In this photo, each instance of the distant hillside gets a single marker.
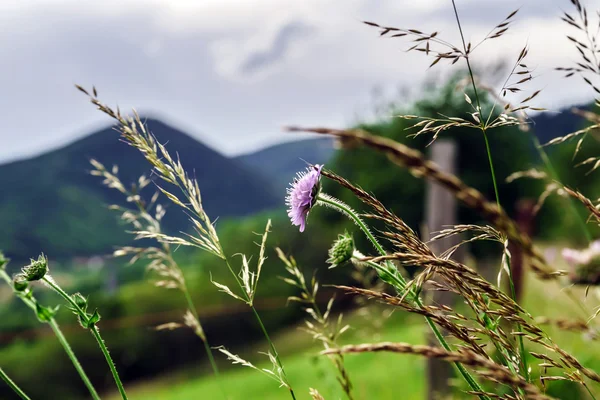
(50, 203)
(548, 125)
(281, 162)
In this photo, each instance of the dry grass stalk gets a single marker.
(489, 369)
(479, 295)
(320, 325)
(486, 301)
(520, 74)
(315, 395)
(448, 319)
(587, 44)
(416, 162)
(134, 132)
(146, 218)
(593, 209)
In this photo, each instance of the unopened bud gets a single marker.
(341, 250)
(36, 270)
(80, 301)
(20, 283)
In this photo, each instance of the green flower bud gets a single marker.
(341, 250)
(20, 283)
(3, 261)
(37, 269)
(80, 301)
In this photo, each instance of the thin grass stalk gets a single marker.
(61, 339)
(202, 336)
(262, 326)
(436, 332)
(340, 207)
(519, 328)
(489, 155)
(95, 333)
(112, 181)
(554, 175)
(13, 385)
(339, 363)
(172, 172)
(318, 327)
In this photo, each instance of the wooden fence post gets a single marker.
(441, 211)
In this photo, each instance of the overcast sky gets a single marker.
(232, 72)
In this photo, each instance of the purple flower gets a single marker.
(302, 196)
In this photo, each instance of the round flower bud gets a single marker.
(80, 301)
(20, 283)
(37, 269)
(341, 250)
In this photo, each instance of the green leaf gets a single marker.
(45, 314)
(93, 320)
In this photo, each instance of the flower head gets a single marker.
(36, 270)
(585, 264)
(341, 251)
(302, 195)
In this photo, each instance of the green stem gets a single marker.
(493, 173)
(202, 336)
(63, 341)
(554, 175)
(519, 329)
(95, 332)
(109, 360)
(13, 385)
(436, 332)
(344, 209)
(64, 295)
(166, 248)
(272, 346)
(248, 301)
(30, 302)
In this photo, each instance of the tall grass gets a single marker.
(498, 347)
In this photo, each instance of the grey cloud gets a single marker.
(46, 50)
(284, 38)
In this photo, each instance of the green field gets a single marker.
(374, 376)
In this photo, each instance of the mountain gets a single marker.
(50, 203)
(548, 125)
(281, 162)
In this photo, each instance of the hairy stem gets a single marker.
(111, 364)
(65, 344)
(13, 385)
(349, 212)
(95, 332)
(31, 303)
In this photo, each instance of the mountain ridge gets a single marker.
(52, 204)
